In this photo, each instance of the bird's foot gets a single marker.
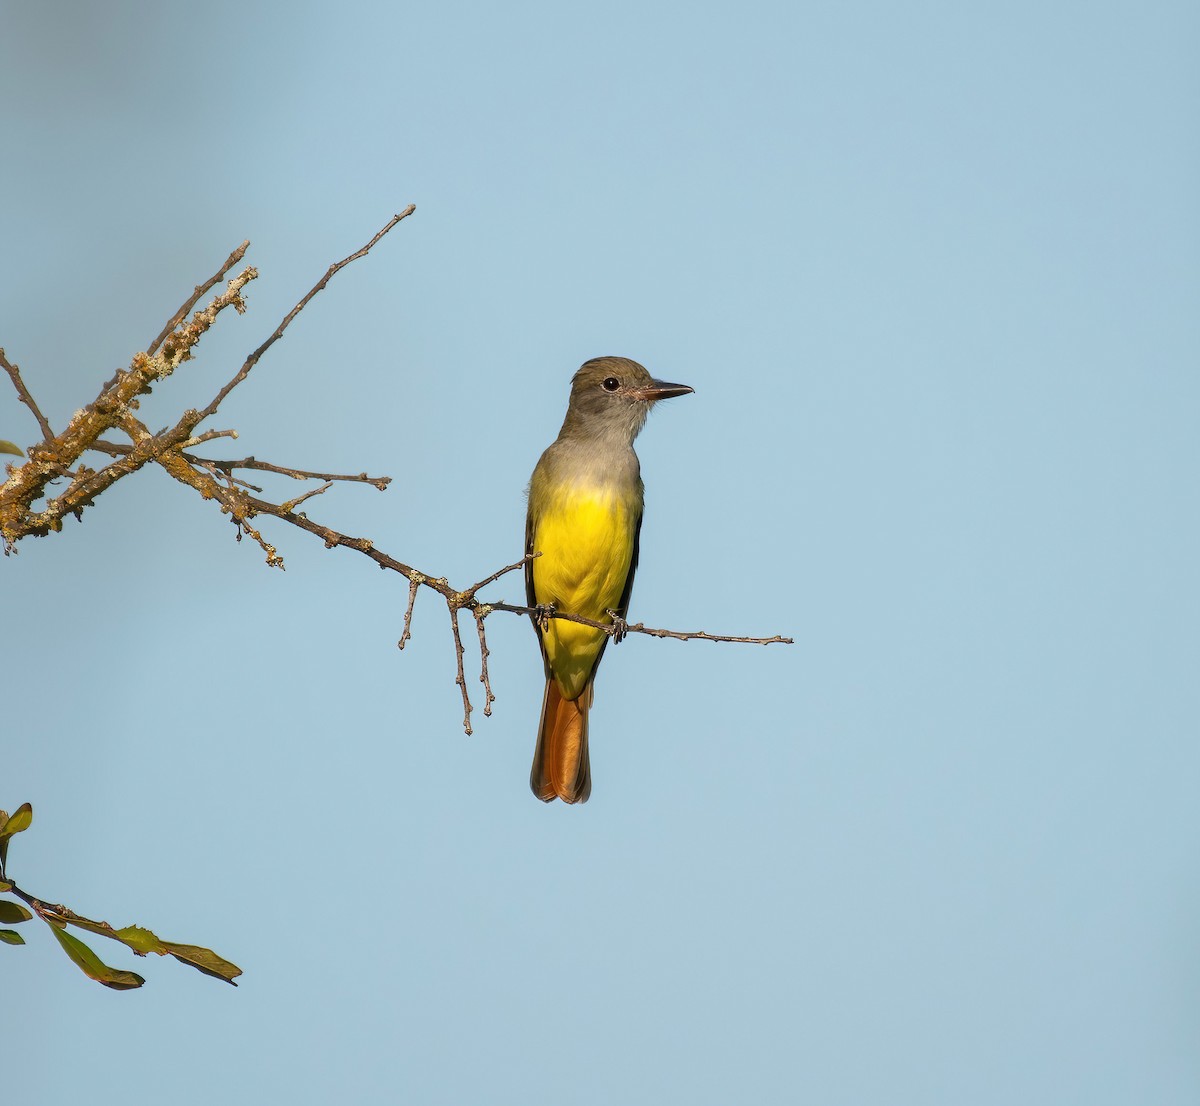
(620, 627)
(542, 614)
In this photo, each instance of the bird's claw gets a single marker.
(542, 614)
(619, 625)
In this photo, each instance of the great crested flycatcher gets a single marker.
(585, 516)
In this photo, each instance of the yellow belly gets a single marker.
(586, 542)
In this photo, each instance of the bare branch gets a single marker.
(253, 506)
(700, 635)
(207, 436)
(216, 480)
(461, 678)
(378, 482)
(253, 359)
(480, 613)
(197, 294)
(243, 506)
(14, 374)
(116, 449)
(292, 504)
(414, 582)
(640, 628)
(274, 560)
(470, 592)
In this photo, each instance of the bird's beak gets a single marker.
(660, 389)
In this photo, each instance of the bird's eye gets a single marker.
(611, 384)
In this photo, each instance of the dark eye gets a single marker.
(611, 384)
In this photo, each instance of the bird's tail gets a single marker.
(560, 762)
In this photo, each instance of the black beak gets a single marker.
(660, 389)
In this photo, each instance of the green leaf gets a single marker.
(142, 941)
(20, 819)
(11, 937)
(204, 960)
(13, 912)
(92, 966)
(8, 447)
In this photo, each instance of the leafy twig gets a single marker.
(58, 917)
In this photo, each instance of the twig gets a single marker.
(700, 635)
(253, 359)
(207, 436)
(116, 449)
(470, 592)
(292, 504)
(274, 560)
(640, 628)
(230, 480)
(461, 678)
(481, 612)
(378, 482)
(138, 939)
(14, 374)
(197, 293)
(459, 600)
(414, 582)
(251, 506)
(214, 479)
(111, 408)
(49, 911)
(113, 449)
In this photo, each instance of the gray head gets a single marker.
(611, 397)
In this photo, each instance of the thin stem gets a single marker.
(253, 359)
(117, 449)
(14, 374)
(292, 504)
(461, 678)
(480, 614)
(470, 592)
(197, 294)
(414, 582)
(640, 628)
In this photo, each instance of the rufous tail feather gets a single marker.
(560, 761)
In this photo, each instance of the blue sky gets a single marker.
(932, 272)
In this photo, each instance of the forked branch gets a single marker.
(27, 510)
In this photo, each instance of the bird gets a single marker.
(582, 530)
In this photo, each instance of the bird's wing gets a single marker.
(623, 606)
(530, 597)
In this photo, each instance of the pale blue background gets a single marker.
(932, 270)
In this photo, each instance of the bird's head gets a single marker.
(613, 396)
